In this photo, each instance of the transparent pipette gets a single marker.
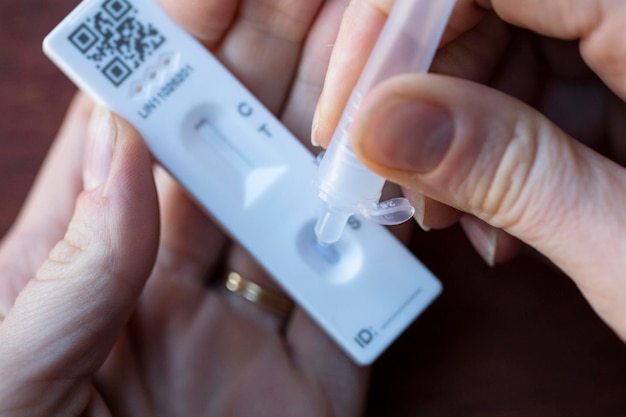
(407, 43)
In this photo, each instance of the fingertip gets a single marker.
(314, 127)
(483, 237)
(118, 174)
(101, 133)
(431, 214)
(401, 131)
(325, 119)
(131, 181)
(492, 244)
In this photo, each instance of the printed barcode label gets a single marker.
(116, 41)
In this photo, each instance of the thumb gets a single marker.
(67, 318)
(490, 155)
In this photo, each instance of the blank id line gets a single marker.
(402, 307)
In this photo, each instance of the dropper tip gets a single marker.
(330, 226)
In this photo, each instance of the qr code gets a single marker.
(115, 40)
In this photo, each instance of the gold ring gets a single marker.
(254, 293)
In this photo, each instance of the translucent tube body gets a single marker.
(407, 43)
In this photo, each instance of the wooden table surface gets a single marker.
(515, 340)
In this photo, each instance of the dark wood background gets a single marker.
(515, 340)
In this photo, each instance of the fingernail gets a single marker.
(488, 251)
(419, 203)
(316, 119)
(484, 238)
(99, 148)
(408, 135)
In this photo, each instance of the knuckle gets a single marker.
(502, 196)
(604, 54)
(77, 242)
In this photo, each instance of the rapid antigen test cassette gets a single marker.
(244, 167)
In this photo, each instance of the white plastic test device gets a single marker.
(238, 161)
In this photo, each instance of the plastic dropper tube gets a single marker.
(407, 43)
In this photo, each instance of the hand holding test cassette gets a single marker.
(237, 160)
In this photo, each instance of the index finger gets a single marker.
(362, 22)
(598, 24)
